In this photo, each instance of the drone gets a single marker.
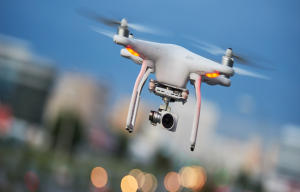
(174, 66)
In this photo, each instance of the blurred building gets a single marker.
(286, 175)
(77, 108)
(212, 149)
(119, 113)
(25, 84)
(289, 156)
(25, 80)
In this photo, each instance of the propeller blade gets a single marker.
(106, 21)
(210, 48)
(103, 32)
(114, 23)
(143, 28)
(249, 73)
(241, 59)
(216, 50)
(99, 18)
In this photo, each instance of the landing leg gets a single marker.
(197, 84)
(139, 90)
(135, 98)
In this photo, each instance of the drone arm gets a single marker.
(196, 80)
(125, 53)
(220, 80)
(204, 65)
(145, 49)
(135, 98)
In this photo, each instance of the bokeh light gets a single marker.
(99, 177)
(150, 183)
(192, 177)
(201, 177)
(129, 184)
(31, 181)
(139, 176)
(172, 181)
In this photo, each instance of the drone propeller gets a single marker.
(103, 32)
(249, 73)
(216, 50)
(114, 23)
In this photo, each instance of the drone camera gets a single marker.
(166, 119)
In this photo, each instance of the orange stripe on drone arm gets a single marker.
(133, 52)
(212, 75)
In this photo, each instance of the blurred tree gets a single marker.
(221, 177)
(66, 132)
(245, 182)
(210, 185)
(162, 162)
(122, 146)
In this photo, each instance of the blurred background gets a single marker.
(65, 90)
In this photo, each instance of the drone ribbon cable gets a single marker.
(197, 84)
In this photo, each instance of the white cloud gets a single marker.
(246, 104)
(19, 49)
(177, 144)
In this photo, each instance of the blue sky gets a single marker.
(269, 29)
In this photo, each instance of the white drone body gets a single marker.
(171, 63)
(173, 66)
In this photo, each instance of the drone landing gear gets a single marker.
(135, 98)
(172, 94)
(196, 80)
(169, 94)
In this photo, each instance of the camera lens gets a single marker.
(154, 117)
(151, 114)
(167, 121)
